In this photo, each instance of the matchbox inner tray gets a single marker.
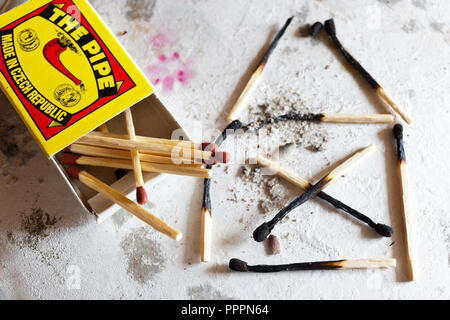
(66, 74)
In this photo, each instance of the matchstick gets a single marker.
(141, 193)
(331, 31)
(92, 182)
(407, 210)
(251, 85)
(264, 230)
(382, 229)
(206, 146)
(242, 266)
(87, 150)
(175, 152)
(320, 117)
(72, 159)
(206, 229)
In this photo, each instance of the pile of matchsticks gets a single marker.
(311, 191)
(140, 154)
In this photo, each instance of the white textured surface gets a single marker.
(405, 44)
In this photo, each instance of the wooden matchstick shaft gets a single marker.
(262, 232)
(206, 230)
(251, 85)
(135, 157)
(238, 265)
(357, 118)
(331, 30)
(116, 197)
(87, 150)
(287, 175)
(175, 151)
(175, 143)
(146, 166)
(406, 205)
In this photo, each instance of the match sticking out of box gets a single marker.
(66, 75)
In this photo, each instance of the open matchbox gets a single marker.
(66, 75)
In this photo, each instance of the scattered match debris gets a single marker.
(274, 244)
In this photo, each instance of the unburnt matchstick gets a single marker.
(176, 152)
(382, 229)
(205, 146)
(92, 182)
(407, 212)
(72, 159)
(242, 266)
(141, 193)
(263, 231)
(122, 154)
(251, 85)
(331, 31)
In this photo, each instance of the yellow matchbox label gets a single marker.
(64, 71)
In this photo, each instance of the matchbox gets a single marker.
(66, 74)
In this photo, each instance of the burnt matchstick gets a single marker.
(251, 85)
(242, 266)
(264, 230)
(206, 230)
(407, 212)
(331, 31)
(92, 182)
(320, 117)
(382, 229)
(141, 193)
(315, 29)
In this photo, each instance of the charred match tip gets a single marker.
(209, 146)
(398, 131)
(330, 27)
(262, 232)
(68, 158)
(384, 230)
(238, 265)
(141, 195)
(234, 125)
(74, 171)
(315, 29)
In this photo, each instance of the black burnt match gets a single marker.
(315, 29)
(264, 230)
(406, 205)
(256, 75)
(242, 266)
(330, 28)
(382, 229)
